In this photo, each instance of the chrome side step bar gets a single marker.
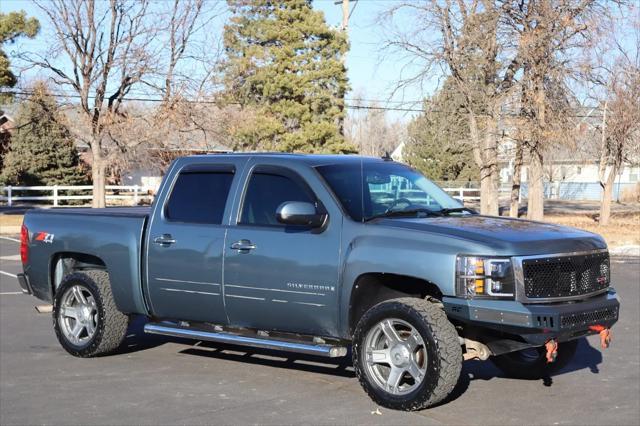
(167, 329)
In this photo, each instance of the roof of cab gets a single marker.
(312, 160)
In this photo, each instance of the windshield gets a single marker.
(372, 189)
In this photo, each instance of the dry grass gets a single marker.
(10, 220)
(622, 229)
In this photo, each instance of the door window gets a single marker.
(266, 192)
(199, 197)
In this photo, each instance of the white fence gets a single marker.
(133, 193)
(464, 194)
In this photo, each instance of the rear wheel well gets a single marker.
(67, 263)
(373, 288)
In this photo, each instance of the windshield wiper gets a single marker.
(446, 211)
(404, 213)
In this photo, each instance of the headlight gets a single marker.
(484, 277)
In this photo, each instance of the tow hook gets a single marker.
(552, 350)
(605, 335)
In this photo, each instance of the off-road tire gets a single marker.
(444, 353)
(517, 366)
(111, 325)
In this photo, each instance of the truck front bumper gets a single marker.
(533, 324)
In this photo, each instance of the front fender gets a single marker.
(426, 257)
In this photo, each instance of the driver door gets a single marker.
(280, 277)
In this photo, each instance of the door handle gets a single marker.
(164, 240)
(243, 246)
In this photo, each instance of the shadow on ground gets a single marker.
(587, 357)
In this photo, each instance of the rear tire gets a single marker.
(531, 364)
(85, 317)
(425, 346)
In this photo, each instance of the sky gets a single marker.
(372, 72)
(372, 75)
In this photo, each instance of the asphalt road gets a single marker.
(169, 381)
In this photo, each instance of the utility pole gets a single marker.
(345, 15)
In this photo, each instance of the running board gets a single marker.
(256, 342)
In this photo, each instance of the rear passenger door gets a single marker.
(185, 244)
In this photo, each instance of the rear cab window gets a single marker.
(199, 194)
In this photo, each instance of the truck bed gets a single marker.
(113, 236)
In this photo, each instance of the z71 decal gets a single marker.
(44, 237)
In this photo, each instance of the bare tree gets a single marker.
(615, 73)
(187, 51)
(370, 131)
(548, 33)
(518, 160)
(471, 43)
(109, 48)
(106, 51)
(186, 120)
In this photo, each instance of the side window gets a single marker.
(199, 197)
(266, 192)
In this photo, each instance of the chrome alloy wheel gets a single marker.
(395, 356)
(78, 315)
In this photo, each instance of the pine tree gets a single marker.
(12, 26)
(284, 65)
(41, 151)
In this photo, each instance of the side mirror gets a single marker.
(299, 213)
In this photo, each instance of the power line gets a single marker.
(209, 102)
(213, 102)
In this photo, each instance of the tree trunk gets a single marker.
(515, 185)
(607, 194)
(535, 199)
(98, 177)
(491, 160)
(485, 156)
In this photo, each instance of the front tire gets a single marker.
(406, 354)
(85, 318)
(531, 364)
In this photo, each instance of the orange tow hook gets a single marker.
(552, 350)
(605, 335)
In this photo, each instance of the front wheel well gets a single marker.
(63, 264)
(373, 288)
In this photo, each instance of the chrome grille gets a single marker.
(566, 276)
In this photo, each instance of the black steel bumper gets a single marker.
(24, 284)
(536, 324)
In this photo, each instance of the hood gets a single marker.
(505, 235)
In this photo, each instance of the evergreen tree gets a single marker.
(12, 26)
(438, 140)
(41, 151)
(284, 65)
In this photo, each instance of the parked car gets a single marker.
(301, 253)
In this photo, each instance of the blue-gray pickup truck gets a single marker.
(318, 254)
